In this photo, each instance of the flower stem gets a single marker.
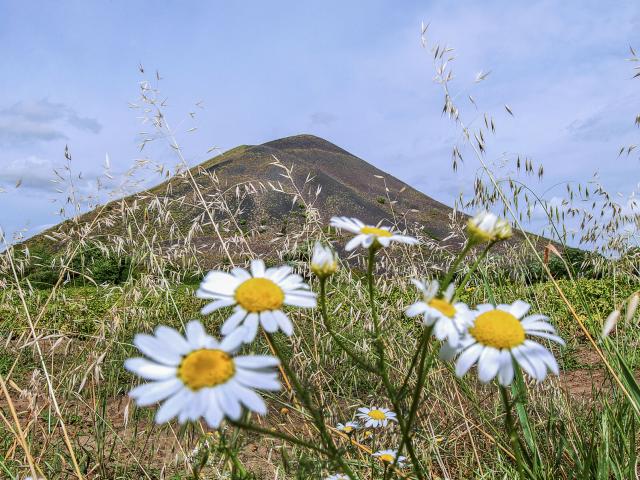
(473, 268)
(316, 413)
(377, 332)
(511, 430)
(341, 343)
(454, 266)
(275, 434)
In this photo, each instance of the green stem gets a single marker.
(377, 332)
(347, 349)
(275, 434)
(316, 413)
(511, 430)
(473, 268)
(454, 266)
(391, 391)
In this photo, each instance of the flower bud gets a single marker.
(487, 227)
(324, 261)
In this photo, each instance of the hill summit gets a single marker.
(248, 189)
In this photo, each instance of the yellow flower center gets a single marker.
(347, 429)
(259, 294)
(387, 458)
(498, 329)
(206, 368)
(443, 307)
(378, 232)
(377, 414)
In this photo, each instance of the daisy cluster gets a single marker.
(196, 375)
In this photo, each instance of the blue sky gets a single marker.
(351, 72)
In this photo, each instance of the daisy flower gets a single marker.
(367, 235)
(487, 227)
(348, 427)
(324, 261)
(376, 417)
(497, 338)
(389, 457)
(198, 376)
(257, 297)
(449, 319)
(337, 476)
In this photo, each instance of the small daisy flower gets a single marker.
(348, 427)
(389, 457)
(337, 476)
(324, 261)
(449, 319)
(487, 227)
(376, 417)
(198, 376)
(367, 235)
(497, 338)
(257, 297)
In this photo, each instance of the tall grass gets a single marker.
(67, 328)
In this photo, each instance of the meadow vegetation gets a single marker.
(71, 309)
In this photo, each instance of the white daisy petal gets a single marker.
(468, 358)
(268, 322)
(171, 337)
(251, 327)
(156, 349)
(171, 407)
(283, 322)
(256, 361)
(506, 372)
(257, 380)
(257, 268)
(416, 309)
(354, 242)
(153, 392)
(149, 370)
(233, 341)
(213, 306)
(519, 308)
(231, 323)
(196, 336)
(213, 415)
(297, 300)
(488, 364)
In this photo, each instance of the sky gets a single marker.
(354, 73)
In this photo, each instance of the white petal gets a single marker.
(447, 352)
(213, 306)
(416, 309)
(354, 242)
(488, 364)
(231, 323)
(251, 327)
(196, 336)
(149, 370)
(233, 341)
(279, 274)
(213, 415)
(153, 392)
(268, 322)
(170, 336)
(241, 274)
(261, 380)
(218, 283)
(229, 401)
(519, 308)
(283, 321)
(468, 358)
(257, 268)
(156, 349)
(171, 407)
(256, 361)
(506, 372)
(250, 399)
(298, 300)
(548, 336)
